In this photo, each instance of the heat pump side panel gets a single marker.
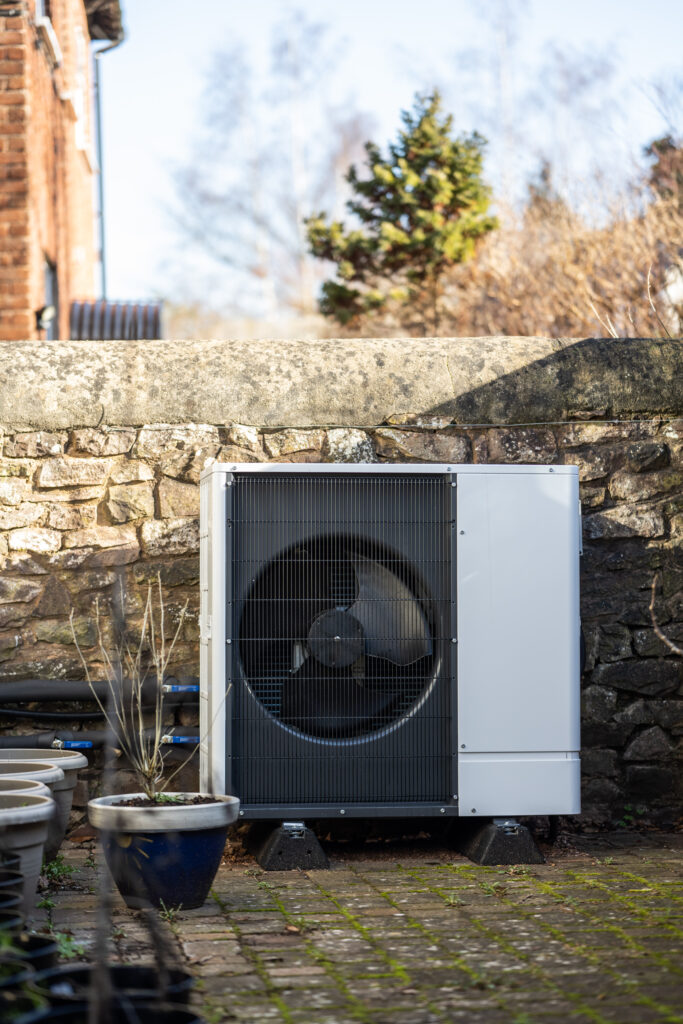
(212, 626)
(518, 642)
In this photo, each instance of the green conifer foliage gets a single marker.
(416, 212)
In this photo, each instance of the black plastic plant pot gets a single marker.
(40, 951)
(9, 898)
(16, 1005)
(11, 919)
(14, 972)
(124, 1011)
(70, 983)
(10, 861)
(163, 854)
(11, 880)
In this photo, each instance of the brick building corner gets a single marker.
(48, 167)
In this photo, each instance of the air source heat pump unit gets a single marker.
(396, 640)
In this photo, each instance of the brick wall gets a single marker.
(46, 171)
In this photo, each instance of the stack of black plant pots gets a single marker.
(35, 989)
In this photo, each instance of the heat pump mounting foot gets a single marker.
(501, 841)
(286, 847)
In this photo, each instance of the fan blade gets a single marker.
(392, 618)
(332, 703)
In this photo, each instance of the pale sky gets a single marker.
(152, 88)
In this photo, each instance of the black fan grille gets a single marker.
(364, 712)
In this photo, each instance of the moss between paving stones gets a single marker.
(588, 938)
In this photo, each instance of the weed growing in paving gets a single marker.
(57, 870)
(169, 914)
(67, 947)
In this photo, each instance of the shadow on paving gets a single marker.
(408, 931)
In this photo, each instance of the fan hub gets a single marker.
(336, 639)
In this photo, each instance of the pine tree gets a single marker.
(418, 212)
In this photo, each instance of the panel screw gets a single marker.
(452, 485)
(342, 811)
(474, 810)
(551, 470)
(443, 810)
(454, 640)
(241, 814)
(462, 533)
(462, 746)
(228, 641)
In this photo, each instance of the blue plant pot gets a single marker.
(164, 854)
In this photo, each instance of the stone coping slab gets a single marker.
(59, 385)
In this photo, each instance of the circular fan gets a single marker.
(335, 638)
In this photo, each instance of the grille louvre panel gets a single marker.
(341, 618)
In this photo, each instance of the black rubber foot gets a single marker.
(286, 847)
(498, 843)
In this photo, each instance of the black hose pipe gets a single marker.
(52, 716)
(53, 690)
(96, 737)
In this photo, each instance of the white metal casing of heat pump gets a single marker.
(518, 631)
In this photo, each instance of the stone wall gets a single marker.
(82, 506)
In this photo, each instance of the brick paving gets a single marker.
(411, 933)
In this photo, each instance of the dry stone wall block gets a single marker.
(244, 437)
(644, 456)
(12, 492)
(178, 500)
(90, 441)
(13, 468)
(130, 471)
(534, 445)
(72, 495)
(230, 453)
(13, 590)
(71, 516)
(629, 486)
(100, 537)
(287, 442)
(160, 439)
(650, 677)
(130, 501)
(576, 435)
(55, 600)
(348, 445)
(56, 631)
(170, 537)
(422, 446)
(35, 540)
(650, 745)
(598, 703)
(624, 521)
(592, 465)
(68, 472)
(35, 445)
(14, 517)
(188, 465)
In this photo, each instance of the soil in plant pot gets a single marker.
(166, 800)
